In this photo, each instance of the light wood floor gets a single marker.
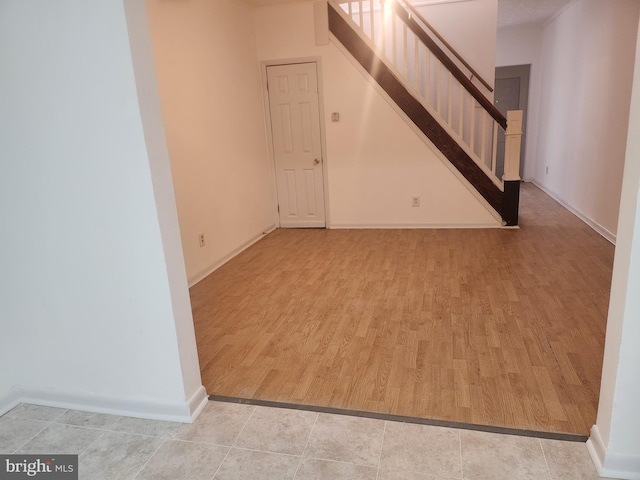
(493, 327)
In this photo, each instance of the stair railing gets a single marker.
(431, 76)
(427, 26)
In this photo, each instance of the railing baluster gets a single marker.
(472, 139)
(427, 75)
(461, 126)
(483, 145)
(438, 89)
(416, 62)
(494, 153)
(383, 32)
(405, 59)
(394, 40)
(450, 99)
(371, 16)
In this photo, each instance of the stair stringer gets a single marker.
(427, 128)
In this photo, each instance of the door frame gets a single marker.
(523, 72)
(323, 143)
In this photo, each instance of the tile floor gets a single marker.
(233, 441)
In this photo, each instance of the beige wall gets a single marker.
(375, 161)
(209, 81)
(207, 57)
(587, 69)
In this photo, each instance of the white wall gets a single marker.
(615, 439)
(89, 315)
(522, 45)
(209, 81)
(375, 161)
(587, 67)
(470, 28)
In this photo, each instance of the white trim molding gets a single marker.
(596, 448)
(408, 226)
(609, 464)
(197, 402)
(183, 412)
(8, 400)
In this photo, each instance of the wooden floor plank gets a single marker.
(497, 327)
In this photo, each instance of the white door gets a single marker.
(295, 129)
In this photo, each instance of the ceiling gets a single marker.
(520, 12)
(510, 12)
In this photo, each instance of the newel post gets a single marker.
(511, 177)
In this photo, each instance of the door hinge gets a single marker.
(278, 208)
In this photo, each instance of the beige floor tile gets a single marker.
(251, 465)
(569, 461)
(176, 460)
(87, 419)
(220, 423)
(421, 448)
(489, 456)
(269, 442)
(277, 430)
(141, 426)
(36, 412)
(403, 474)
(61, 440)
(15, 432)
(117, 456)
(314, 469)
(346, 439)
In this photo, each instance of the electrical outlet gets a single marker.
(201, 239)
(415, 201)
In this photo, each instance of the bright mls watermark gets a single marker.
(50, 467)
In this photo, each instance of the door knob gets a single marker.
(316, 161)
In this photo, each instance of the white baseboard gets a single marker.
(184, 412)
(233, 253)
(197, 402)
(609, 464)
(596, 448)
(404, 226)
(8, 400)
(610, 236)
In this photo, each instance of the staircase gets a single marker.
(437, 90)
